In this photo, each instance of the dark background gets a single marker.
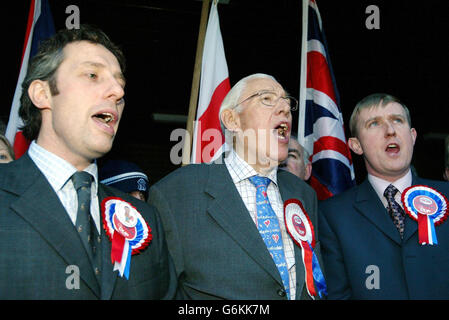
(406, 57)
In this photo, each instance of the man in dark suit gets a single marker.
(55, 242)
(371, 247)
(210, 214)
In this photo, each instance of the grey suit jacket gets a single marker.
(217, 248)
(40, 249)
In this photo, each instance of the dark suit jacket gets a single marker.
(360, 242)
(217, 248)
(38, 243)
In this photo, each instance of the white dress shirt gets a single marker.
(380, 185)
(240, 171)
(58, 173)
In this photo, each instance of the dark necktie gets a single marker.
(268, 225)
(395, 210)
(84, 225)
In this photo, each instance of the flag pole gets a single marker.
(303, 77)
(195, 84)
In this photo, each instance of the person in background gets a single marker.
(297, 161)
(6, 150)
(373, 239)
(125, 176)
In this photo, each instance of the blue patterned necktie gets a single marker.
(268, 225)
(395, 210)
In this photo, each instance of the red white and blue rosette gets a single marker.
(428, 207)
(300, 228)
(127, 230)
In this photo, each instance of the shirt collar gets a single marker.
(57, 170)
(380, 185)
(240, 170)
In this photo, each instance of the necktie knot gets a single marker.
(390, 192)
(259, 181)
(81, 179)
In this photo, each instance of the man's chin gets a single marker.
(272, 162)
(99, 151)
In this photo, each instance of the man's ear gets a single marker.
(308, 171)
(230, 119)
(39, 93)
(354, 145)
(414, 134)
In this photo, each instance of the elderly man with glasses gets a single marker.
(225, 222)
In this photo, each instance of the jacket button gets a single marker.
(281, 293)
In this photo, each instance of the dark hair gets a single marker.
(44, 64)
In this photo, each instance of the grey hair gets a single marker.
(371, 101)
(232, 99)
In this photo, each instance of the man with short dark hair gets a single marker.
(59, 227)
(386, 238)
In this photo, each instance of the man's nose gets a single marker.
(389, 130)
(115, 90)
(283, 106)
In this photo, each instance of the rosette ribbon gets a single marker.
(428, 207)
(300, 228)
(126, 229)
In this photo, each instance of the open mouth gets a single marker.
(105, 120)
(105, 117)
(282, 130)
(393, 148)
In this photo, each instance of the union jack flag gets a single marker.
(320, 126)
(40, 26)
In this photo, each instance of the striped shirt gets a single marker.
(240, 171)
(58, 173)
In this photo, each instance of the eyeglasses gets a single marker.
(270, 99)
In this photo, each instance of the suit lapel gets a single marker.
(411, 226)
(229, 211)
(287, 193)
(48, 217)
(109, 277)
(368, 204)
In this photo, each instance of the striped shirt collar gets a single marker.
(240, 170)
(57, 170)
